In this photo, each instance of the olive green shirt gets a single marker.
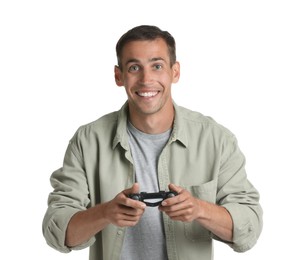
(200, 156)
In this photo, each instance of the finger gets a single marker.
(135, 204)
(130, 202)
(122, 200)
(133, 189)
(126, 221)
(172, 204)
(132, 211)
(176, 199)
(175, 188)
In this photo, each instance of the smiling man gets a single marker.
(146, 71)
(151, 145)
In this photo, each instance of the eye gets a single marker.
(133, 68)
(158, 66)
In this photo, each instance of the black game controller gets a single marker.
(159, 196)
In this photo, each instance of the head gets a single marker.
(146, 33)
(147, 67)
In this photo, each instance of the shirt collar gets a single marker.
(178, 131)
(121, 130)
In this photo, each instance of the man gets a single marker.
(151, 144)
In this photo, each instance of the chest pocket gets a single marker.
(206, 192)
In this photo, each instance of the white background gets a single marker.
(242, 63)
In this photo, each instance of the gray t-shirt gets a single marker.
(146, 240)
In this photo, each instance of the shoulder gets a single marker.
(103, 122)
(101, 129)
(194, 119)
(198, 130)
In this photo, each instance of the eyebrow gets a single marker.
(150, 60)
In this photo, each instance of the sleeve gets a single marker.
(70, 195)
(239, 197)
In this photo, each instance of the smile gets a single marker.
(147, 94)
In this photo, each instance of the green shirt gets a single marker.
(200, 156)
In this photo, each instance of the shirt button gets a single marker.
(119, 232)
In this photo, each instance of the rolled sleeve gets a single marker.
(246, 226)
(70, 195)
(54, 230)
(240, 198)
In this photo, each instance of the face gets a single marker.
(147, 76)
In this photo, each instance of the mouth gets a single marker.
(148, 94)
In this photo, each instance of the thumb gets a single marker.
(133, 189)
(175, 188)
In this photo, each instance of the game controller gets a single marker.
(159, 196)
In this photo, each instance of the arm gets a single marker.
(74, 215)
(187, 208)
(69, 221)
(121, 211)
(234, 214)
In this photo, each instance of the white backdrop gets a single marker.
(242, 63)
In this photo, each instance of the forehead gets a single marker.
(145, 50)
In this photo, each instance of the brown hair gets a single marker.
(146, 33)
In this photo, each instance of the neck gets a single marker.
(156, 123)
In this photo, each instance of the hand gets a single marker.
(183, 207)
(123, 211)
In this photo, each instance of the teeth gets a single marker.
(147, 94)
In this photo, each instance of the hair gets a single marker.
(146, 33)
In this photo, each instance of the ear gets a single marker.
(118, 76)
(176, 72)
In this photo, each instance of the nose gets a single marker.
(146, 77)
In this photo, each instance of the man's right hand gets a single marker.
(120, 211)
(123, 211)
